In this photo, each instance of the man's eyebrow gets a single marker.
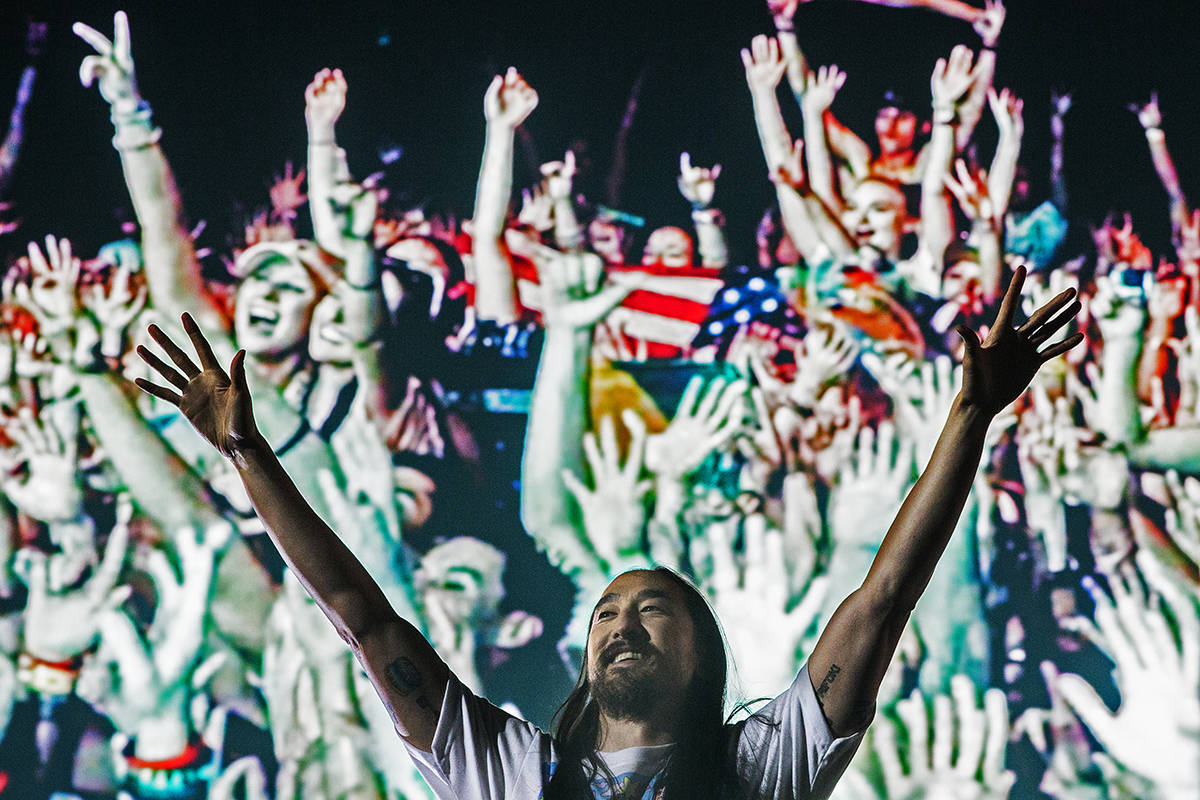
(608, 598)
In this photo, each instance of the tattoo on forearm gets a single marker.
(403, 675)
(823, 689)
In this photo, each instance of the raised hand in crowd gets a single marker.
(1183, 515)
(868, 492)
(39, 472)
(1152, 733)
(111, 66)
(751, 591)
(706, 418)
(964, 757)
(61, 621)
(509, 100)
(324, 101)
(1060, 739)
(146, 684)
(558, 178)
(114, 307)
(989, 22)
(613, 508)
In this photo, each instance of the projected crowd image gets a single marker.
(499, 406)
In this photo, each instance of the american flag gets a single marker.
(666, 312)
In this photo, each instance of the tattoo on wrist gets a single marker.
(403, 675)
(829, 678)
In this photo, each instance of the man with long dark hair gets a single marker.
(646, 716)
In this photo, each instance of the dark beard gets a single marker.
(630, 694)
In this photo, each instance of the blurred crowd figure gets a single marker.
(754, 427)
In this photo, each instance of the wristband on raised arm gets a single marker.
(183, 777)
(134, 129)
(945, 115)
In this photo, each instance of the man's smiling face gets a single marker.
(641, 648)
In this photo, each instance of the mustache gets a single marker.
(610, 653)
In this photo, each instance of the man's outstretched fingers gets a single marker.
(970, 338)
(162, 368)
(207, 359)
(1052, 325)
(1039, 317)
(181, 359)
(1058, 349)
(160, 392)
(237, 372)
(1012, 298)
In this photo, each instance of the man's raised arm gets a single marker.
(856, 646)
(401, 664)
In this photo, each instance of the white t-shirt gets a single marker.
(784, 752)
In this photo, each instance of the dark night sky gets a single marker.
(226, 82)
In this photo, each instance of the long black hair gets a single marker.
(699, 768)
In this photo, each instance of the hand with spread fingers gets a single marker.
(766, 620)
(50, 295)
(871, 485)
(1153, 638)
(703, 422)
(997, 370)
(61, 624)
(614, 514)
(215, 402)
(50, 490)
(964, 761)
(764, 64)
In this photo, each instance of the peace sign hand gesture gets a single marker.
(216, 403)
(112, 63)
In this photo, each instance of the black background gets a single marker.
(226, 83)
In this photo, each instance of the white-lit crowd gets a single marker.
(755, 427)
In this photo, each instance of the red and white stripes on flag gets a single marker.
(666, 312)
